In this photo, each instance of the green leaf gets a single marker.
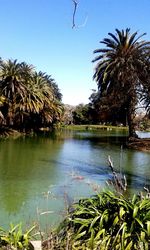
(142, 236)
(103, 218)
(91, 241)
(100, 233)
(135, 211)
(78, 236)
(147, 216)
(94, 221)
(121, 212)
(115, 220)
(148, 228)
(129, 246)
(134, 198)
(139, 222)
(81, 229)
(6, 239)
(84, 222)
(146, 245)
(108, 243)
(117, 235)
(123, 236)
(13, 228)
(145, 204)
(20, 245)
(30, 230)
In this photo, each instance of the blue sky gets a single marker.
(40, 33)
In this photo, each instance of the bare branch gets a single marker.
(75, 3)
(74, 12)
(119, 183)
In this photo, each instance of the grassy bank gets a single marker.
(94, 127)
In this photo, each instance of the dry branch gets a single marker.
(74, 12)
(75, 4)
(119, 183)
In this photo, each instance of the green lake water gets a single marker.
(39, 176)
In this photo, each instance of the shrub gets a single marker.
(15, 238)
(108, 221)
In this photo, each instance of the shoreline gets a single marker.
(142, 144)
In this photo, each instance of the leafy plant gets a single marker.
(109, 221)
(15, 238)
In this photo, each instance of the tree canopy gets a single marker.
(122, 71)
(28, 99)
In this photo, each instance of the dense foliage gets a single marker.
(28, 100)
(122, 72)
(109, 221)
(81, 114)
(106, 111)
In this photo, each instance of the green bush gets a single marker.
(15, 238)
(108, 221)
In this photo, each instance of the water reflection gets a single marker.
(23, 173)
(70, 161)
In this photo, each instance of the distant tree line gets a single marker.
(96, 113)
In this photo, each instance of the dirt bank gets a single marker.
(142, 144)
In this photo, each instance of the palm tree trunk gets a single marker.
(130, 117)
(131, 125)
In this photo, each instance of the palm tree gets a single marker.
(26, 98)
(12, 87)
(54, 86)
(52, 109)
(26, 72)
(122, 70)
(43, 101)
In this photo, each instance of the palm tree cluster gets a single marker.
(122, 72)
(28, 99)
